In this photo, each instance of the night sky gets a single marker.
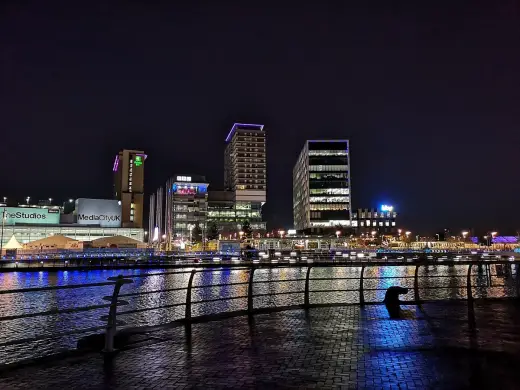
(428, 96)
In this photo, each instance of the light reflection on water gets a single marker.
(376, 280)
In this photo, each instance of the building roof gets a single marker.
(115, 240)
(13, 243)
(57, 240)
(243, 126)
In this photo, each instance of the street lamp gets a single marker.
(281, 233)
(50, 200)
(71, 200)
(5, 199)
(2, 235)
(28, 199)
(241, 233)
(338, 233)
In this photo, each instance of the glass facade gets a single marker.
(229, 214)
(321, 185)
(25, 234)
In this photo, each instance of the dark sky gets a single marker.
(427, 94)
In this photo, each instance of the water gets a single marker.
(451, 280)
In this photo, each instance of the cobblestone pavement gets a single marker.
(340, 347)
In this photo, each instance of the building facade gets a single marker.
(186, 208)
(91, 219)
(245, 169)
(382, 221)
(229, 215)
(129, 186)
(321, 186)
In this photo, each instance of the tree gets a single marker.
(196, 234)
(246, 229)
(212, 232)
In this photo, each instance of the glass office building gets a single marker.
(321, 185)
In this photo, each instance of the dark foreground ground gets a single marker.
(345, 347)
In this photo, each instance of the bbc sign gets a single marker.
(30, 216)
(101, 212)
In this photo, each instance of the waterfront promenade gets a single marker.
(336, 347)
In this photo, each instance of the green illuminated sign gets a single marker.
(138, 161)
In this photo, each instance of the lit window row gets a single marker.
(329, 191)
(328, 176)
(329, 206)
(329, 199)
(328, 168)
(327, 153)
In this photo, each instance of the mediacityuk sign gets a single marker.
(102, 212)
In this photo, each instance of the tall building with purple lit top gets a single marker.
(245, 171)
(129, 186)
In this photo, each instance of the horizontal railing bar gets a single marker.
(280, 281)
(220, 285)
(153, 292)
(54, 311)
(345, 278)
(280, 293)
(119, 313)
(53, 336)
(328, 291)
(50, 288)
(161, 273)
(220, 299)
(198, 270)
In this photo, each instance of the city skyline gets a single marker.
(430, 112)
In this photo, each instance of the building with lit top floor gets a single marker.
(321, 186)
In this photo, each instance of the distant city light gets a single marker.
(386, 207)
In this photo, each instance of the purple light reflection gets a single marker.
(116, 163)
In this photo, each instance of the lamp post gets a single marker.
(28, 199)
(2, 235)
(493, 234)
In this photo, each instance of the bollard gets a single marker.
(112, 313)
(392, 301)
(250, 291)
(361, 283)
(306, 293)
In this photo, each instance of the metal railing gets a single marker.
(113, 318)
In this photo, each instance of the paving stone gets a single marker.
(342, 347)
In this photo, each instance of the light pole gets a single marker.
(407, 234)
(2, 235)
(28, 199)
(493, 234)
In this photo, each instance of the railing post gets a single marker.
(187, 313)
(361, 283)
(468, 285)
(112, 322)
(471, 308)
(306, 293)
(517, 266)
(250, 291)
(416, 285)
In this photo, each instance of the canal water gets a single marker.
(435, 282)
